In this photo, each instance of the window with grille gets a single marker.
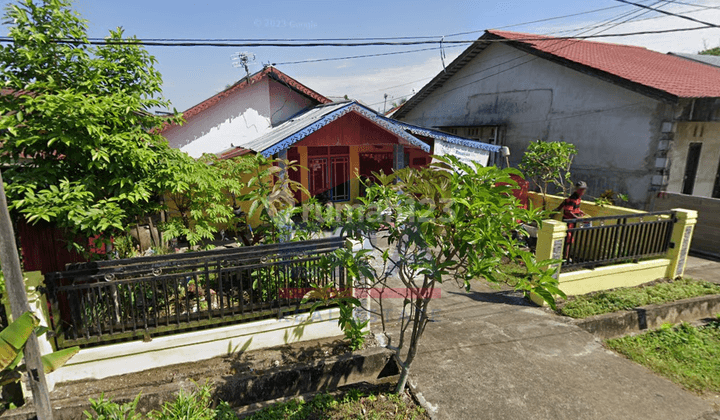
(329, 173)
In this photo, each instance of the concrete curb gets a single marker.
(622, 323)
(416, 391)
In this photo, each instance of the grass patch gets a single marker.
(685, 354)
(354, 404)
(631, 297)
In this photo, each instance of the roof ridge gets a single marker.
(532, 37)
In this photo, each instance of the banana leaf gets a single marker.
(53, 361)
(13, 338)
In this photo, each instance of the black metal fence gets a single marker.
(121, 300)
(598, 241)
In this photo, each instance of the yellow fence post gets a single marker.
(680, 240)
(550, 244)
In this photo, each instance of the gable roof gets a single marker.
(648, 72)
(269, 72)
(307, 122)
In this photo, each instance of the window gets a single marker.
(329, 169)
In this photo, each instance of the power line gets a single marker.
(699, 8)
(582, 30)
(711, 25)
(316, 60)
(342, 44)
(558, 39)
(540, 20)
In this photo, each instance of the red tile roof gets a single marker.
(674, 75)
(266, 72)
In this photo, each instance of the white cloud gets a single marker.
(369, 87)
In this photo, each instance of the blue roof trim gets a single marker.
(290, 140)
(437, 135)
(451, 139)
(390, 125)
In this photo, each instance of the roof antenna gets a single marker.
(243, 59)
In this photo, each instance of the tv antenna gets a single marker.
(243, 59)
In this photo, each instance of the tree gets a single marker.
(79, 138)
(546, 163)
(446, 221)
(710, 51)
(207, 192)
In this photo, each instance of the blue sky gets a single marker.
(194, 74)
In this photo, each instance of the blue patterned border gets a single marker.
(389, 125)
(437, 135)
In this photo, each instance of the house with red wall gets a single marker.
(336, 143)
(339, 143)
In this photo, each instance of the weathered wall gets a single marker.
(707, 133)
(237, 118)
(706, 238)
(616, 131)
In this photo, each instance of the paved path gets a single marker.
(490, 355)
(701, 268)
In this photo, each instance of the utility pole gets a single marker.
(385, 104)
(15, 286)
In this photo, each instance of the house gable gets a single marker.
(242, 112)
(656, 75)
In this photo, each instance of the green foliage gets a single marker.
(610, 198)
(685, 354)
(271, 194)
(205, 193)
(109, 410)
(711, 51)
(354, 404)
(124, 245)
(198, 193)
(78, 138)
(355, 330)
(13, 339)
(548, 163)
(187, 405)
(627, 298)
(194, 405)
(446, 221)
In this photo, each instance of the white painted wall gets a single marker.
(615, 130)
(136, 356)
(238, 118)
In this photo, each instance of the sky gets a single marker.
(193, 74)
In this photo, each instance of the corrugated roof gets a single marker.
(649, 72)
(307, 122)
(293, 126)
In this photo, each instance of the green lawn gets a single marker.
(627, 298)
(686, 355)
(353, 405)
